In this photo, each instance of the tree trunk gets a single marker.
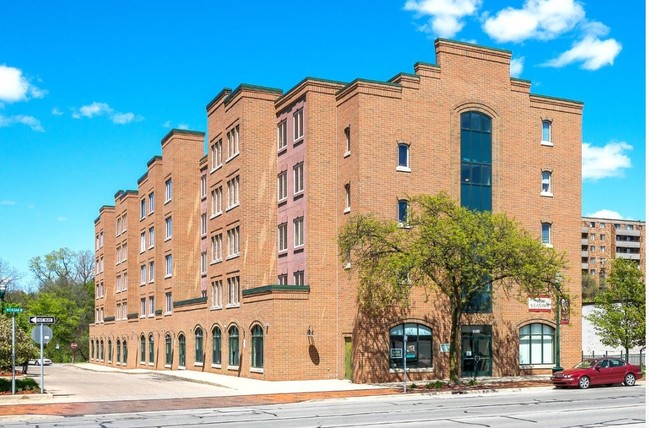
(456, 342)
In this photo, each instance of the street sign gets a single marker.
(13, 310)
(42, 320)
(46, 334)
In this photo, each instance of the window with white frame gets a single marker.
(298, 178)
(298, 124)
(142, 307)
(101, 264)
(151, 306)
(124, 252)
(203, 224)
(216, 152)
(203, 262)
(282, 186)
(142, 208)
(298, 277)
(151, 271)
(124, 222)
(101, 239)
(233, 242)
(403, 157)
(151, 202)
(546, 183)
(233, 192)
(348, 198)
(281, 135)
(546, 233)
(168, 190)
(536, 344)
(168, 228)
(142, 274)
(118, 226)
(168, 303)
(142, 242)
(217, 294)
(233, 142)
(402, 212)
(348, 141)
(168, 265)
(282, 279)
(203, 186)
(233, 291)
(282, 237)
(217, 248)
(151, 237)
(298, 232)
(546, 132)
(217, 201)
(118, 312)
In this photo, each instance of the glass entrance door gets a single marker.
(476, 350)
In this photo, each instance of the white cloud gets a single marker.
(57, 112)
(516, 66)
(20, 119)
(603, 162)
(445, 15)
(613, 215)
(7, 202)
(538, 19)
(15, 87)
(591, 52)
(103, 109)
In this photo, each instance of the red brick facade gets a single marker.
(334, 146)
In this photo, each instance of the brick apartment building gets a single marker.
(228, 262)
(603, 240)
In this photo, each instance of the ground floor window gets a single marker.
(233, 355)
(536, 344)
(181, 350)
(124, 353)
(92, 349)
(257, 347)
(216, 345)
(118, 357)
(167, 350)
(198, 343)
(101, 350)
(418, 345)
(142, 349)
(110, 351)
(151, 350)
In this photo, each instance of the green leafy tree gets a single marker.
(619, 317)
(25, 347)
(449, 249)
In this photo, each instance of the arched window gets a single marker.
(233, 355)
(475, 156)
(142, 349)
(403, 157)
(418, 345)
(151, 350)
(546, 183)
(257, 347)
(536, 344)
(92, 349)
(402, 212)
(216, 345)
(110, 351)
(118, 357)
(181, 351)
(546, 131)
(198, 345)
(124, 353)
(168, 354)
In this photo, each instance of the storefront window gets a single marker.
(536, 344)
(419, 345)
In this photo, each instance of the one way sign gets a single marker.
(42, 320)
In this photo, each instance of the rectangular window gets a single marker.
(298, 124)
(203, 224)
(546, 233)
(151, 306)
(298, 277)
(142, 242)
(203, 186)
(282, 237)
(217, 201)
(281, 135)
(142, 274)
(233, 192)
(298, 178)
(168, 228)
(168, 302)
(602, 237)
(298, 232)
(348, 198)
(546, 183)
(216, 151)
(168, 190)
(282, 279)
(546, 133)
(233, 242)
(203, 262)
(233, 142)
(151, 237)
(151, 202)
(217, 290)
(282, 186)
(233, 291)
(402, 212)
(217, 248)
(151, 271)
(142, 208)
(403, 157)
(348, 142)
(602, 249)
(118, 226)
(142, 307)
(168, 266)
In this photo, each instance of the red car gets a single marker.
(598, 371)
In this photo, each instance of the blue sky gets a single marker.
(88, 85)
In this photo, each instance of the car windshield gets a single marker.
(585, 364)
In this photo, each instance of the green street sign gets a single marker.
(13, 310)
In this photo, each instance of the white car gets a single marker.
(37, 362)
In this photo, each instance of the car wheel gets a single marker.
(584, 382)
(629, 379)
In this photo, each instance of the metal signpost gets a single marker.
(405, 347)
(13, 312)
(42, 334)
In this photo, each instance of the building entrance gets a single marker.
(476, 350)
